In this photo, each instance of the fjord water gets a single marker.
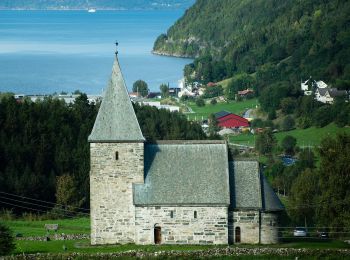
(42, 52)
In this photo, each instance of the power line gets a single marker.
(38, 210)
(15, 195)
(35, 204)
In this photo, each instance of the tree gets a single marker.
(66, 193)
(288, 144)
(200, 102)
(265, 142)
(334, 176)
(213, 125)
(164, 90)
(288, 105)
(213, 101)
(7, 244)
(288, 123)
(141, 87)
(303, 197)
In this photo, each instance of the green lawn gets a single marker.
(312, 136)
(83, 246)
(305, 137)
(36, 228)
(233, 107)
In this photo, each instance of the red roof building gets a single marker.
(232, 121)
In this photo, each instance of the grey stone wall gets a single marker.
(269, 228)
(254, 228)
(248, 222)
(210, 226)
(111, 200)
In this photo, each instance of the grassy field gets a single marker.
(233, 107)
(305, 137)
(36, 228)
(83, 246)
(81, 225)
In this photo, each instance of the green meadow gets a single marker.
(233, 107)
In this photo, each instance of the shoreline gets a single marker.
(174, 55)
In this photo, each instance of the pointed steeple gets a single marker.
(116, 120)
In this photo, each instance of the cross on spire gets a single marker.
(116, 48)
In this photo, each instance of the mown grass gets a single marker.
(313, 136)
(83, 246)
(36, 228)
(233, 107)
(305, 137)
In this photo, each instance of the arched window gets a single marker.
(195, 214)
(157, 234)
(171, 214)
(116, 156)
(237, 235)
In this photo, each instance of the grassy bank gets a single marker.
(233, 107)
(36, 228)
(305, 137)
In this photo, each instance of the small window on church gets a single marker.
(172, 214)
(116, 156)
(195, 214)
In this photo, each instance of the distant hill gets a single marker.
(275, 40)
(98, 4)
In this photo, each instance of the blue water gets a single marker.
(43, 52)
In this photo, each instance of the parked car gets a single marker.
(300, 232)
(323, 234)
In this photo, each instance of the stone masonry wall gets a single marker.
(248, 222)
(269, 228)
(111, 199)
(210, 226)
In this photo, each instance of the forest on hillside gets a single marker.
(273, 41)
(44, 153)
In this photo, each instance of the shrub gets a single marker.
(213, 101)
(200, 102)
(6, 240)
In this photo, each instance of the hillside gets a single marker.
(274, 40)
(98, 4)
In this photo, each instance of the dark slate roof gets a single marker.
(245, 185)
(334, 92)
(116, 119)
(184, 173)
(221, 114)
(270, 200)
(249, 189)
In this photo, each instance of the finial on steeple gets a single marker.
(116, 48)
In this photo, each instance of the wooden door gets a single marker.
(157, 235)
(237, 235)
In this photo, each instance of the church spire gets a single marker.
(116, 120)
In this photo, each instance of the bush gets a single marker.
(6, 240)
(213, 101)
(288, 123)
(200, 102)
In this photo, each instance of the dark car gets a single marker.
(323, 234)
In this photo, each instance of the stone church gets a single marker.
(171, 192)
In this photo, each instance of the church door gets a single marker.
(237, 235)
(157, 235)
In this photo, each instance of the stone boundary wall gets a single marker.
(214, 252)
(114, 168)
(179, 225)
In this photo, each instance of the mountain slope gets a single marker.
(100, 4)
(294, 39)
